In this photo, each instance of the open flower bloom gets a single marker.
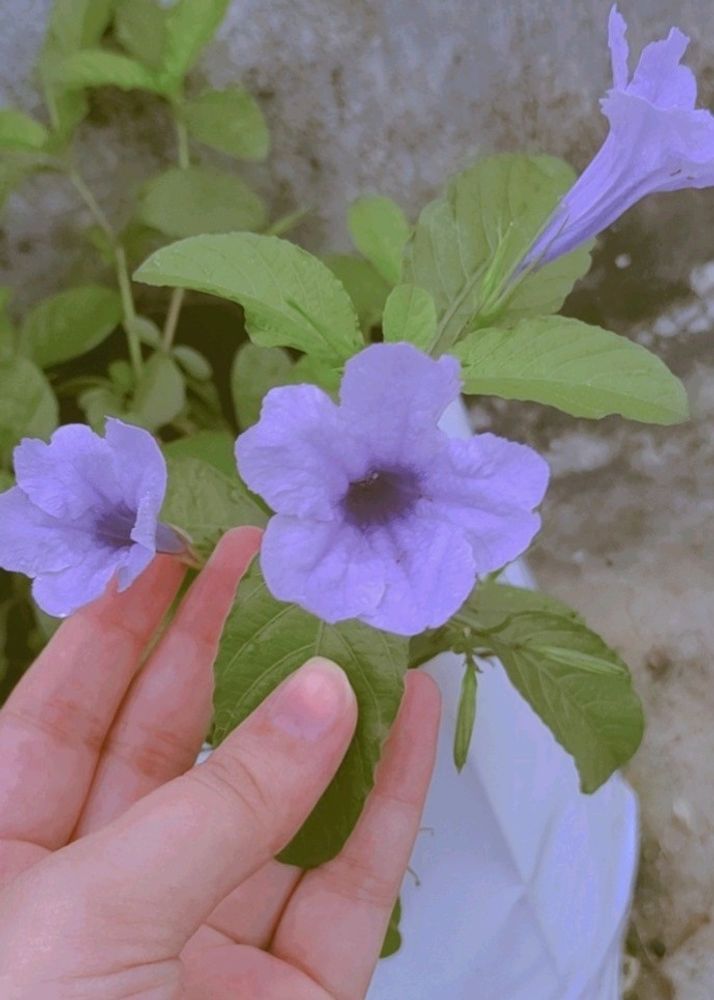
(658, 141)
(379, 515)
(84, 509)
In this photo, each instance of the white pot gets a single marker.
(524, 883)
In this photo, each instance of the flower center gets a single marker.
(114, 527)
(382, 496)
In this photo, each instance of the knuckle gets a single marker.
(157, 755)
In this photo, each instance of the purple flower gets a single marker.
(379, 515)
(84, 509)
(658, 141)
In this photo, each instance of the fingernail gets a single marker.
(310, 702)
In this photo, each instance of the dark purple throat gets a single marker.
(382, 496)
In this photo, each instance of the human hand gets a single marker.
(126, 872)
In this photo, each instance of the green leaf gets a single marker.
(28, 407)
(77, 24)
(584, 370)
(193, 363)
(410, 314)
(393, 937)
(19, 131)
(263, 642)
(468, 243)
(101, 402)
(205, 504)
(255, 371)
(380, 229)
(194, 200)
(140, 26)
(190, 25)
(492, 602)
(290, 298)
(579, 687)
(364, 285)
(228, 120)
(466, 715)
(314, 371)
(213, 447)
(160, 393)
(101, 68)
(69, 324)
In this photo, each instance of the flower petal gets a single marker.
(141, 475)
(134, 563)
(32, 541)
(619, 49)
(488, 487)
(660, 79)
(326, 567)
(301, 455)
(69, 476)
(394, 394)
(62, 593)
(430, 572)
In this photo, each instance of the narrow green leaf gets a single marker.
(468, 243)
(193, 362)
(290, 298)
(213, 447)
(195, 200)
(160, 393)
(28, 407)
(364, 285)
(410, 315)
(101, 68)
(77, 24)
(255, 371)
(190, 25)
(466, 715)
(205, 503)
(19, 131)
(393, 937)
(579, 687)
(140, 26)
(69, 324)
(583, 370)
(263, 642)
(380, 229)
(228, 120)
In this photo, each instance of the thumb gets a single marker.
(178, 852)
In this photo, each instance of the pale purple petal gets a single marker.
(326, 567)
(301, 455)
(619, 49)
(141, 475)
(135, 561)
(430, 573)
(660, 79)
(60, 594)
(72, 474)
(31, 541)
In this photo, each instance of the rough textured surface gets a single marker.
(392, 96)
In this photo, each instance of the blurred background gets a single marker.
(390, 96)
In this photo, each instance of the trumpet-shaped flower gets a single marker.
(378, 514)
(85, 508)
(658, 141)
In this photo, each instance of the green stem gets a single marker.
(128, 310)
(91, 202)
(172, 318)
(184, 154)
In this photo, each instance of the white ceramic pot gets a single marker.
(524, 883)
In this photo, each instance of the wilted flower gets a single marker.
(379, 515)
(658, 141)
(84, 509)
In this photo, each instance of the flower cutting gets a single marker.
(303, 510)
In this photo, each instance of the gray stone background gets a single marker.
(393, 96)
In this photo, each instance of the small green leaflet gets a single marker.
(393, 937)
(160, 393)
(255, 371)
(194, 200)
(140, 26)
(205, 503)
(69, 324)
(101, 68)
(28, 407)
(380, 229)
(364, 284)
(193, 362)
(77, 24)
(468, 243)
(290, 298)
(263, 642)
(190, 25)
(466, 715)
(228, 120)
(213, 447)
(410, 315)
(583, 370)
(20, 132)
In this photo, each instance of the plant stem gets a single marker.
(172, 318)
(184, 155)
(127, 302)
(91, 202)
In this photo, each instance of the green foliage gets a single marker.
(28, 407)
(263, 642)
(160, 393)
(466, 716)
(380, 230)
(70, 324)
(102, 68)
(410, 315)
(469, 242)
(393, 937)
(230, 121)
(290, 298)
(190, 25)
(255, 371)
(193, 363)
(584, 370)
(364, 285)
(194, 200)
(213, 447)
(205, 503)
(140, 26)
(20, 132)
